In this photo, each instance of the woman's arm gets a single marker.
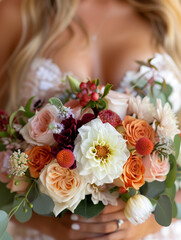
(10, 32)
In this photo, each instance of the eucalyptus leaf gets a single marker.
(171, 177)
(24, 213)
(6, 236)
(4, 219)
(153, 189)
(43, 204)
(6, 196)
(163, 211)
(174, 209)
(56, 102)
(171, 192)
(177, 145)
(88, 209)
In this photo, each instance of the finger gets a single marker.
(119, 235)
(100, 218)
(112, 209)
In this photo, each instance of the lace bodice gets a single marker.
(45, 79)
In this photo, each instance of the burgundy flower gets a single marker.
(67, 137)
(4, 121)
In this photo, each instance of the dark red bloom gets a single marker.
(4, 121)
(67, 137)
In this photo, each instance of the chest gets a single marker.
(104, 43)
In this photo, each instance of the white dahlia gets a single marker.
(142, 108)
(165, 122)
(100, 152)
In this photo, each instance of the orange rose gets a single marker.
(133, 172)
(38, 157)
(136, 129)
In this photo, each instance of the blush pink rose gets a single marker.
(4, 166)
(18, 184)
(37, 131)
(76, 108)
(117, 102)
(155, 168)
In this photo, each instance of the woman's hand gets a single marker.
(105, 226)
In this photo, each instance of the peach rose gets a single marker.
(155, 168)
(133, 172)
(38, 157)
(117, 102)
(136, 129)
(4, 166)
(66, 187)
(37, 131)
(18, 184)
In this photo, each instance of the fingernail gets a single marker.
(74, 217)
(75, 226)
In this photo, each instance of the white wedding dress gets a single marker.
(45, 79)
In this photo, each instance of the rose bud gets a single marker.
(138, 209)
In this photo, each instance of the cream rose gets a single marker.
(155, 168)
(117, 102)
(66, 187)
(37, 131)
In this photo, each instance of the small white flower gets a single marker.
(56, 128)
(64, 113)
(18, 163)
(101, 193)
(142, 108)
(138, 209)
(165, 122)
(100, 152)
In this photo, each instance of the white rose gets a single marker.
(117, 102)
(138, 209)
(100, 152)
(66, 187)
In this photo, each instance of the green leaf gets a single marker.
(171, 192)
(4, 219)
(43, 204)
(163, 211)
(177, 145)
(6, 196)
(28, 113)
(74, 84)
(56, 102)
(171, 177)
(153, 189)
(174, 209)
(24, 213)
(107, 89)
(132, 192)
(96, 81)
(101, 104)
(13, 115)
(4, 134)
(114, 189)
(6, 236)
(88, 209)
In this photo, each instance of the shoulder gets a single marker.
(10, 27)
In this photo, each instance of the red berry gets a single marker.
(86, 98)
(79, 95)
(93, 87)
(89, 84)
(83, 85)
(122, 190)
(65, 158)
(110, 117)
(94, 96)
(144, 146)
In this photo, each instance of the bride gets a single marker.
(43, 41)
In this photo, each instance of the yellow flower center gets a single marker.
(102, 151)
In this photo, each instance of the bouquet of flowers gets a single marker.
(98, 147)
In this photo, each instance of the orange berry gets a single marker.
(65, 158)
(144, 146)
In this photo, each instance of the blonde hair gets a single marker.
(43, 21)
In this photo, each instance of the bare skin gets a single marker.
(122, 37)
